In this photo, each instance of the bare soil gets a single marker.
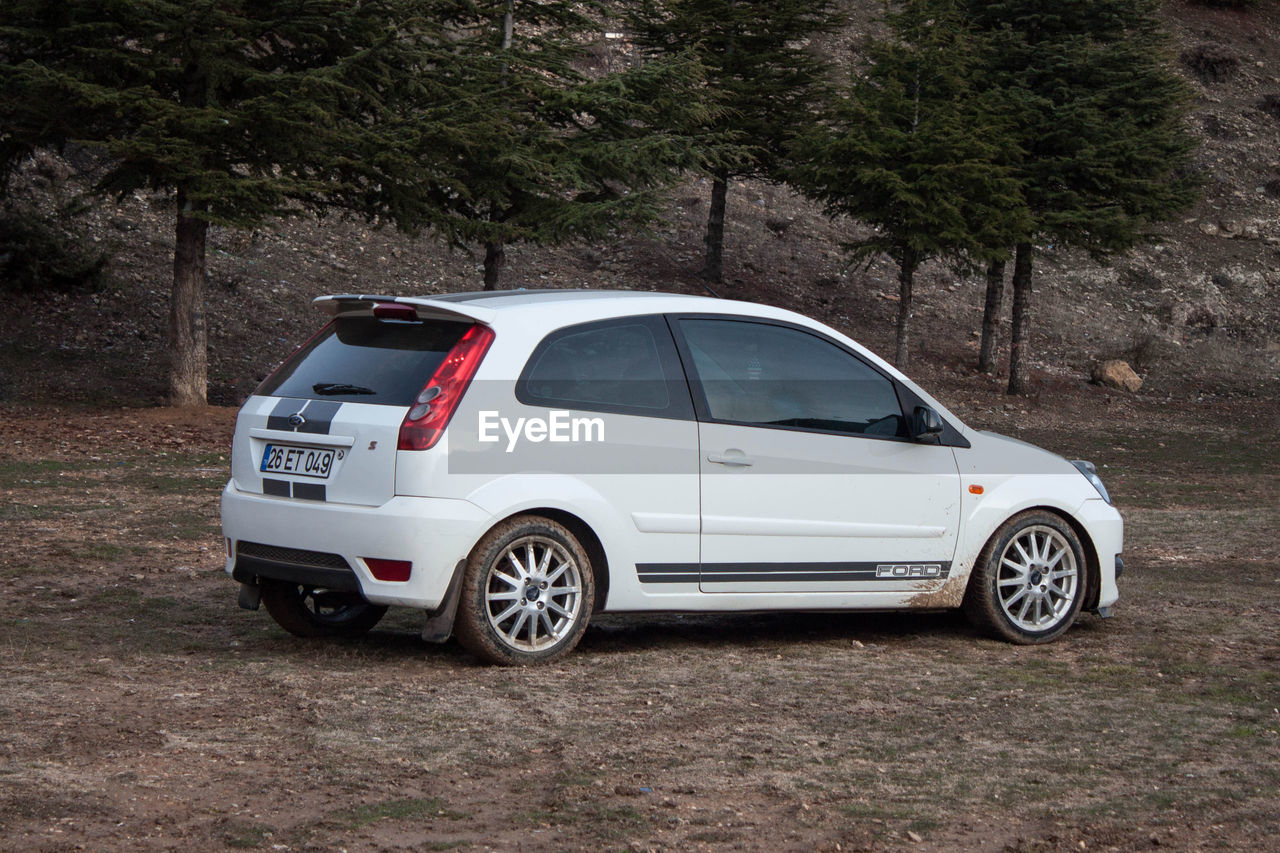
(141, 709)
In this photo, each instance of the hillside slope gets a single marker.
(1197, 311)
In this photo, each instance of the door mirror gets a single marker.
(926, 425)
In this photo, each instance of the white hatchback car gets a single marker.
(513, 462)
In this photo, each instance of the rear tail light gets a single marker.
(389, 570)
(439, 398)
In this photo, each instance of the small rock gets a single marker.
(1209, 228)
(1116, 374)
(914, 837)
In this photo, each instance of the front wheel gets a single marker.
(1028, 583)
(527, 593)
(308, 611)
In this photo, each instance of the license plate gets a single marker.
(299, 461)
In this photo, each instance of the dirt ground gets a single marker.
(141, 709)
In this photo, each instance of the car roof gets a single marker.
(554, 308)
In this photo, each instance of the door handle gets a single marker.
(736, 460)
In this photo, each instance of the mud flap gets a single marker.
(439, 625)
(250, 596)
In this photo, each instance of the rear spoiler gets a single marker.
(424, 306)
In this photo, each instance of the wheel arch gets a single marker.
(1093, 572)
(586, 536)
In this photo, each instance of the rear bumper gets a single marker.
(435, 534)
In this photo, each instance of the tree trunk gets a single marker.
(906, 276)
(188, 337)
(713, 269)
(1021, 319)
(495, 258)
(991, 318)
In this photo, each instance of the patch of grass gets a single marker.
(1228, 693)
(99, 551)
(117, 596)
(569, 779)
(187, 479)
(415, 808)
(713, 836)
(187, 461)
(871, 811)
(247, 836)
(923, 825)
(35, 512)
(21, 473)
(180, 524)
(613, 822)
(624, 814)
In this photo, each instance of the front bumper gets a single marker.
(1106, 529)
(435, 534)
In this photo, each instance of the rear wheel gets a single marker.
(527, 593)
(308, 611)
(1028, 584)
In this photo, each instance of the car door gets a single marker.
(809, 481)
(638, 450)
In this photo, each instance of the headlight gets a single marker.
(1091, 474)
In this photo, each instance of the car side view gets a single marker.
(515, 462)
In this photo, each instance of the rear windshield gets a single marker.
(366, 360)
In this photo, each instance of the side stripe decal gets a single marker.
(790, 572)
(667, 572)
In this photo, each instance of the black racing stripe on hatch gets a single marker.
(275, 488)
(319, 416)
(279, 417)
(840, 572)
(309, 491)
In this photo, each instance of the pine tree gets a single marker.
(1102, 148)
(243, 111)
(913, 150)
(756, 62)
(993, 305)
(532, 149)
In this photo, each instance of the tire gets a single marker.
(527, 593)
(307, 611)
(1029, 581)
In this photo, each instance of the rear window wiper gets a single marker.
(327, 388)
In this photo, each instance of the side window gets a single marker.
(767, 375)
(625, 366)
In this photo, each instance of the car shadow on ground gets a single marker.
(745, 631)
(397, 637)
